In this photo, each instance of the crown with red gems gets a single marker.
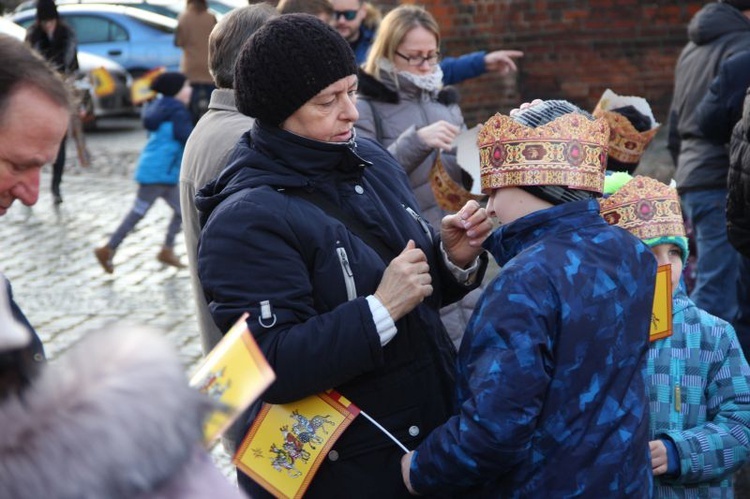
(449, 194)
(569, 151)
(626, 143)
(646, 208)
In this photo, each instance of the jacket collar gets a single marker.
(222, 99)
(510, 240)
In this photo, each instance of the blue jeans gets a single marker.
(717, 265)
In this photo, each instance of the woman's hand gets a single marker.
(406, 282)
(464, 233)
(439, 135)
(502, 61)
(523, 106)
(659, 461)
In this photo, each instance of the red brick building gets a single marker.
(574, 49)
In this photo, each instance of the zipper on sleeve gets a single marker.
(351, 287)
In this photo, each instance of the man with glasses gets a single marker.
(357, 21)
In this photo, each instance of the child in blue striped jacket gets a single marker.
(698, 378)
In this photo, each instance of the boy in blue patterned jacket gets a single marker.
(698, 378)
(551, 392)
(169, 123)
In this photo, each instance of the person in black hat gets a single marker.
(56, 41)
(169, 124)
(318, 236)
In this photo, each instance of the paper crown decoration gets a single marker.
(449, 194)
(626, 143)
(646, 208)
(569, 151)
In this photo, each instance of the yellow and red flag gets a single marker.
(140, 91)
(234, 373)
(288, 442)
(102, 82)
(661, 315)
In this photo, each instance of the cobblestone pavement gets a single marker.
(47, 253)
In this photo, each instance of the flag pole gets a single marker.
(379, 427)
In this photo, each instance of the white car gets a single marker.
(116, 103)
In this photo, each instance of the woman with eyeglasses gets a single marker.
(403, 105)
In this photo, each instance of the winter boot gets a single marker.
(104, 254)
(167, 257)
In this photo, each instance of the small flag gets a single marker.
(288, 442)
(234, 373)
(661, 314)
(102, 81)
(140, 91)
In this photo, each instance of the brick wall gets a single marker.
(574, 49)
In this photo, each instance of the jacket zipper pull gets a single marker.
(677, 398)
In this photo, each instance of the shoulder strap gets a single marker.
(351, 223)
(378, 122)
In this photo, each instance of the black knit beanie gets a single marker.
(286, 63)
(168, 83)
(538, 115)
(641, 123)
(46, 10)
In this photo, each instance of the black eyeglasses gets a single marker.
(418, 60)
(349, 15)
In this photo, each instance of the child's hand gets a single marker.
(659, 459)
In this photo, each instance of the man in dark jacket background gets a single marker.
(719, 112)
(716, 32)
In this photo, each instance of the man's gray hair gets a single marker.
(228, 37)
(23, 67)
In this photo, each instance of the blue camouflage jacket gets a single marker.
(699, 384)
(550, 378)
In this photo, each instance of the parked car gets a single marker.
(165, 8)
(136, 39)
(92, 107)
(168, 8)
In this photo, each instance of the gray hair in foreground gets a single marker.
(228, 37)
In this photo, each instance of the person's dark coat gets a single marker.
(61, 50)
(260, 243)
(716, 32)
(738, 184)
(721, 107)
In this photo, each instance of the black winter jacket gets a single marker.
(261, 243)
(738, 183)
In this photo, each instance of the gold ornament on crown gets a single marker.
(626, 144)
(646, 208)
(449, 194)
(569, 151)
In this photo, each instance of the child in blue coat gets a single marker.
(169, 124)
(698, 378)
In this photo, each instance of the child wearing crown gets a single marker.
(550, 379)
(698, 378)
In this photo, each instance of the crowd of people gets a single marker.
(315, 205)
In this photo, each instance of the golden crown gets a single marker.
(646, 208)
(626, 144)
(449, 194)
(569, 151)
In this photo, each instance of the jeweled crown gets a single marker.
(645, 207)
(569, 151)
(626, 144)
